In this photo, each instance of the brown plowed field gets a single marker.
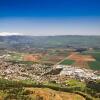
(33, 58)
(78, 57)
(81, 60)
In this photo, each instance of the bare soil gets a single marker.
(48, 94)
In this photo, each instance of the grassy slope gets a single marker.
(50, 94)
(17, 89)
(12, 90)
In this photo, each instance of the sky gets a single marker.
(49, 17)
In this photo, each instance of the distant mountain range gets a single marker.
(49, 41)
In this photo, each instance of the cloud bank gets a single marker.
(9, 34)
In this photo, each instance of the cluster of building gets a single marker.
(8, 70)
(42, 72)
(80, 73)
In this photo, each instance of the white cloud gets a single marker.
(9, 34)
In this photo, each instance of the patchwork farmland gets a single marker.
(84, 60)
(95, 65)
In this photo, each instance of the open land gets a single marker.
(56, 72)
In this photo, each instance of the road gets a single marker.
(73, 53)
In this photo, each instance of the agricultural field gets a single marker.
(51, 57)
(95, 65)
(15, 56)
(67, 62)
(54, 56)
(85, 59)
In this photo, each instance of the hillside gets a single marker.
(49, 94)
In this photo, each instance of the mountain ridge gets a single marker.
(50, 41)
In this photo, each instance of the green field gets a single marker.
(95, 65)
(15, 56)
(67, 62)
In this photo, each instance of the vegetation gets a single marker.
(16, 89)
(12, 90)
(67, 62)
(15, 56)
(95, 65)
(76, 83)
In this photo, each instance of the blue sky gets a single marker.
(50, 17)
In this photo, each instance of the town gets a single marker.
(32, 67)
